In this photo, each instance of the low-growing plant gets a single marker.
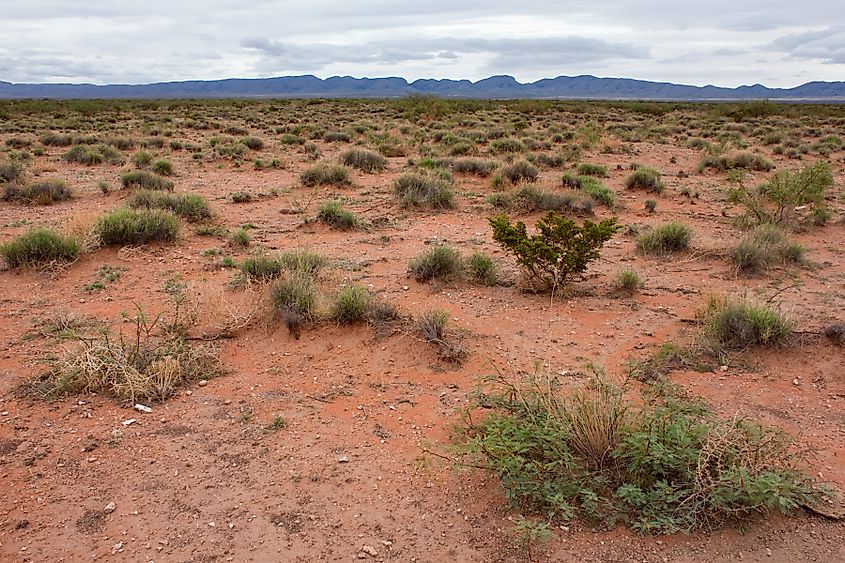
(670, 237)
(439, 262)
(645, 179)
(189, 206)
(325, 174)
(482, 269)
(741, 160)
(529, 199)
(335, 216)
(137, 226)
(736, 324)
(587, 169)
(163, 167)
(91, 155)
(764, 247)
(628, 281)
(520, 171)
(294, 296)
(425, 188)
(39, 247)
(432, 325)
(350, 304)
(664, 464)
(559, 251)
(146, 180)
(482, 168)
(364, 160)
(11, 171)
(46, 192)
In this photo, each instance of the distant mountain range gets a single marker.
(562, 87)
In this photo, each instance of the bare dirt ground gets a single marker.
(203, 478)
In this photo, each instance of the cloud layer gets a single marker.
(718, 42)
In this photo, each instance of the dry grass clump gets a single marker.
(190, 206)
(325, 174)
(764, 247)
(425, 188)
(736, 324)
(137, 226)
(529, 199)
(671, 237)
(146, 180)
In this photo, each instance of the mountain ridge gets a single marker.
(497, 86)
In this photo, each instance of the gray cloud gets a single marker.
(720, 41)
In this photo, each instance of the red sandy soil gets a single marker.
(201, 478)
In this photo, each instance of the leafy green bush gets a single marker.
(645, 179)
(482, 269)
(738, 324)
(39, 247)
(440, 261)
(190, 206)
(362, 159)
(325, 174)
(137, 226)
(430, 188)
(764, 247)
(671, 237)
(664, 464)
(780, 200)
(146, 180)
(559, 251)
(587, 169)
(334, 215)
(351, 304)
(46, 192)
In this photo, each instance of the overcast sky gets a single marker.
(723, 42)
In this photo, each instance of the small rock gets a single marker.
(343, 459)
(110, 507)
(143, 408)
(203, 382)
(369, 550)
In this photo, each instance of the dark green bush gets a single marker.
(440, 261)
(351, 304)
(587, 169)
(39, 247)
(559, 251)
(137, 226)
(335, 216)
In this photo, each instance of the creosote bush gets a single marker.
(39, 247)
(137, 226)
(325, 174)
(439, 262)
(645, 179)
(737, 324)
(559, 251)
(190, 206)
(671, 237)
(664, 464)
(146, 180)
(425, 188)
(364, 160)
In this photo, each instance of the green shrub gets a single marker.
(324, 174)
(39, 247)
(142, 159)
(596, 190)
(364, 160)
(739, 324)
(265, 267)
(559, 251)
(529, 199)
(10, 171)
(664, 464)
(56, 140)
(295, 294)
(46, 192)
(432, 189)
(163, 167)
(587, 169)
(240, 238)
(506, 145)
(190, 206)
(646, 179)
(671, 237)
(351, 304)
(335, 216)
(146, 180)
(520, 171)
(337, 136)
(481, 269)
(650, 205)
(628, 280)
(93, 155)
(137, 226)
(482, 168)
(741, 160)
(764, 247)
(440, 261)
(253, 143)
